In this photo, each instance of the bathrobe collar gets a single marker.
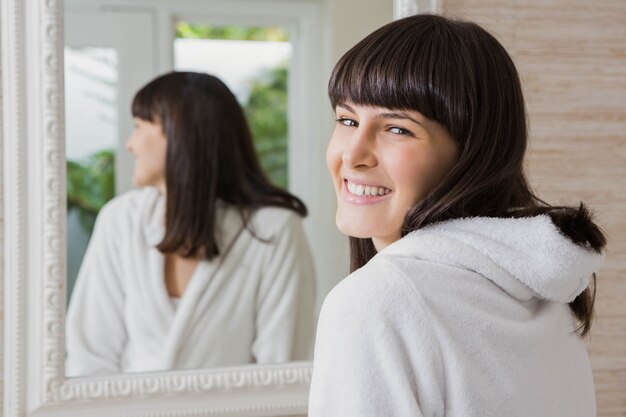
(526, 257)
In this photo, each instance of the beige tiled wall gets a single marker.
(571, 55)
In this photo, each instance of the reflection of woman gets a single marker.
(469, 295)
(208, 264)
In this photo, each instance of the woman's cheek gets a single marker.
(333, 157)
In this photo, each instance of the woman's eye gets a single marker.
(346, 122)
(400, 131)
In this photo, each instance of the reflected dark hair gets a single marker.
(457, 74)
(210, 157)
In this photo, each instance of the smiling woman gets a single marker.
(382, 162)
(469, 295)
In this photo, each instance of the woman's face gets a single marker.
(382, 162)
(148, 144)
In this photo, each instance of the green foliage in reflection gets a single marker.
(239, 33)
(266, 111)
(90, 184)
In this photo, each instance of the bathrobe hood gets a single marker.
(526, 257)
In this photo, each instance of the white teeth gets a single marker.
(361, 190)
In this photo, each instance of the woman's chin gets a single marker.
(140, 182)
(353, 229)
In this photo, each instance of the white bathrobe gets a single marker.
(466, 318)
(257, 307)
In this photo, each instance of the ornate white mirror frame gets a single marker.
(32, 238)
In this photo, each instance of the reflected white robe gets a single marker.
(256, 308)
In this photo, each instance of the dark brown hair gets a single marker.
(210, 156)
(456, 73)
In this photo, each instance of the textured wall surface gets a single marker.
(571, 55)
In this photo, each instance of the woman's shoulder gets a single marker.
(129, 204)
(378, 305)
(374, 289)
(132, 198)
(268, 220)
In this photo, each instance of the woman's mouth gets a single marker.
(364, 193)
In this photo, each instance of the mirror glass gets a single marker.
(91, 143)
(133, 307)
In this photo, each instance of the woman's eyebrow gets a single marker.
(398, 115)
(388, 115)
(347, 107)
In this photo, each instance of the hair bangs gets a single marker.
(378, 80)
(145, 105)
(409, 67)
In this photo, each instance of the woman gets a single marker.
(469, 295)
(207, 264)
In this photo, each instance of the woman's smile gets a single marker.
(356, 192)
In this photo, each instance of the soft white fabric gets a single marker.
(465, 318)
(257, 307)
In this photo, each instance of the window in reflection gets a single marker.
(90, 90)
(253, 62)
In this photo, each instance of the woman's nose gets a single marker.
(360, 150)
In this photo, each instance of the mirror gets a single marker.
(34, 211)
(137, 308)
(34, 200)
